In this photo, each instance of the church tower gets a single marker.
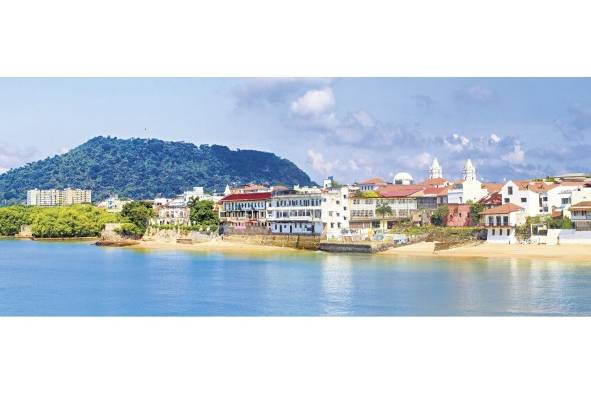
(435, 171)
(469, 171)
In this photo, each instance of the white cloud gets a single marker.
(364, 119)
(319, 163)
(516, 156)
(314, 102)
(252, 91)
(11, 157)
(475, 94)
(457, 143)
(495, 139)
(3, 170)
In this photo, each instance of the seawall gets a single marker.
(309, 242)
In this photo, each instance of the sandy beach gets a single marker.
(215, 246)
(555, 252)
(580, 253)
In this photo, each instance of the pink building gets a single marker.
(459, 215)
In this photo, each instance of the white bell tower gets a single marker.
(469, 171)
(435, 171)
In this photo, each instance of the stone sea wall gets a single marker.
(177, 236)
(310, 242)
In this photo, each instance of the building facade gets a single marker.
(244, 210)
(501, 223)
(295, 212)
(57, 197)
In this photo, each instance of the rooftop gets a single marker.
(502, 209)
(247, 197)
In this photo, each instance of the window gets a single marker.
(523, 199)
(508, 232)
(493, 231)
(510, 190)
(545, 198)
(332, 225)
(506, 200)
(565, 201)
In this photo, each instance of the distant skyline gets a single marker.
(352, 128)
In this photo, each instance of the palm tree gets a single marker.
(383, 210)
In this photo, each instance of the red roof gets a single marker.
(373, 181)
(505, 208)
(247, 197)
(398, 190)
(434, 182)
(492, 199)
(438, 191)
(492, 187)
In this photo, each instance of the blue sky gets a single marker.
(353, 128)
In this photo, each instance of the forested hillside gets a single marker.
(143, 168)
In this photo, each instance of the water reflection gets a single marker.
(337, 284)
(78, 279)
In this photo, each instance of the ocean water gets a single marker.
(80, 279)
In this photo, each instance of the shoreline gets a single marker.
(571, 252)
(579, 253)
(214, 246)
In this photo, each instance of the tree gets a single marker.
(475, 210)
(439, 217)
(383, 210)
(203, 214)
(139, 213)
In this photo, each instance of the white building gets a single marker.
(470, 189)
(403, 178)
(113, 204)
(501, 223)
(542, 198)
(55, 197)
(295, 212)
(435, 171)
(335, 211)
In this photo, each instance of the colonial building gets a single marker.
(335, 211)
(458, 215)
(113, 204)
(294, 212)
(243, 210)
(469, 189)
(539, 197)
(399, 198)
(501, 222)
(371, 184)
(581, 215)
(174, 212)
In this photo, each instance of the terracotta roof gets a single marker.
(373, 181)
(492, 199)
(399, 190)
(438, 191)
(535, 186)
(581, 206)
(492, 187)
(247, 197)
(505, 208)
(434, 181)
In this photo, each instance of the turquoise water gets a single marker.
(79, 279)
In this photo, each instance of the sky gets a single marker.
(352, 128)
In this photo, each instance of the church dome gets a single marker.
(403, 178)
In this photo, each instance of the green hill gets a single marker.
(144, 168)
